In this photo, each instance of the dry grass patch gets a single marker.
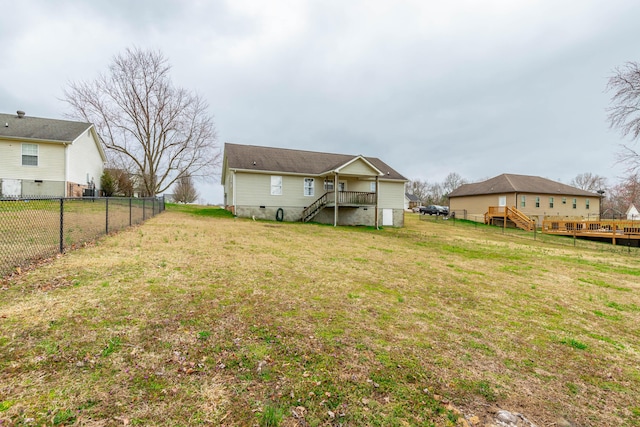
(192, 320)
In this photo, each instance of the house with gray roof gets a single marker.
(296, 185)
(533, 196)
(411, 201)
(42, 157)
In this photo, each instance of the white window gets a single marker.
(372, 187)
(276, 185)
(308, 186)
(328, 185)
(29, 154)
(586, 204)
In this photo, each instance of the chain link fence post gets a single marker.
(106, 210)
(61, 225)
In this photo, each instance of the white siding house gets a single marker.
(296, 185)
(47, 157)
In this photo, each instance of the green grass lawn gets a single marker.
(199, 318)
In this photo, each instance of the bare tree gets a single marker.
(156, 131)
(184, 190)
(451, 182)
(589, 182)
(621, 196)
(418, 188)
(435, 193)
(624, 112)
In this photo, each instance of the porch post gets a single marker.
(335, 199)
(377, 193)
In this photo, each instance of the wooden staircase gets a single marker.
(510, 213)
(312, 210)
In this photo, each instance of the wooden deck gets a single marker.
(615, 231)
(346, 199)
(509, 213)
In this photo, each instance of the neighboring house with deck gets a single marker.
(532, 196)
(48, 158)
(296, 185)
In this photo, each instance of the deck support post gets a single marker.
(504, 223)
(335, 199)
(377, 192)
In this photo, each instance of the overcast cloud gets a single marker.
(430, 87)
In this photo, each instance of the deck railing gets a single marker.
(345, 198)
(591, 227)
(354, 198)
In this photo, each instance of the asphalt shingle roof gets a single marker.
(12, 126)
(510, 183)
(270, 159)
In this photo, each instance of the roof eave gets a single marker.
(40, 140)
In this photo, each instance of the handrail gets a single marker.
(310, 211)
(512, 213)
(349, 198)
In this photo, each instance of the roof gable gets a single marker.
(511, 183)
(251, 158)
(36, 128)
(359, 166)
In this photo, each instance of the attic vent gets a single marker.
(20, 114)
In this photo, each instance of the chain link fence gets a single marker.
(32, 229)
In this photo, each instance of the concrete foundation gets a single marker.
(363, 215)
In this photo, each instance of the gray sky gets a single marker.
(430, 87)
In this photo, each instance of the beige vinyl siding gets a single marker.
(51, 162)
(254, 189)
(10, 159)
(477, 206)
(359, 167)
(84, 159)
(565, 209)
(391, 195)
(358, 185)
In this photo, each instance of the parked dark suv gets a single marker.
(434, 210)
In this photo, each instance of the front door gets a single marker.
(342, 186)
